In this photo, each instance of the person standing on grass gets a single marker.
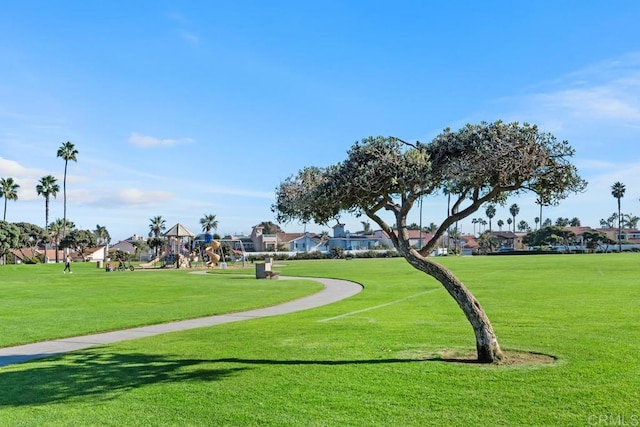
(67, 266)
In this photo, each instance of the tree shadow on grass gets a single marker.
(91, 374)
(102, 375)
(88, 374)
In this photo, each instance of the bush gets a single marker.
(310, 255)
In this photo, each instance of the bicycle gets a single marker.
(122, 266)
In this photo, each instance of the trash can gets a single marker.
(261, 271)
(99, 263)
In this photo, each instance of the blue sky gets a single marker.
(187, 108)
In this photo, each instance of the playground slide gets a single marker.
(153, 262)
(213, 256)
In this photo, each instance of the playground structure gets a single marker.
(214, 258)
(180, 251)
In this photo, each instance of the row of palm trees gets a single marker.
(618, 190)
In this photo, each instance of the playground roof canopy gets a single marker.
(179, 230)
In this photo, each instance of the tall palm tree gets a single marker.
(514, 210)
(47, 187)
(67, 151)
(537, 221)
(541, 202)
(490, 212)
(500, 224)
(617, 190)
(208, 223)
(8, 190)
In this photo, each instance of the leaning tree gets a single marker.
(478, 164)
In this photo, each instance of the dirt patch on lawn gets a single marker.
(512, 357)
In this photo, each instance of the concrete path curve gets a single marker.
(334, 290)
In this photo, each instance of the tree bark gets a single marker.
(487, 347)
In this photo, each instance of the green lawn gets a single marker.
(371, 359)
(38, 302)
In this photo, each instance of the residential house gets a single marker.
(90, 254)
(123, 246)
(263, 242)
(468, 244)
(357, 241)
(20, 256)
(631, 235)
(302, 242)
(508, 239)
(47, 256)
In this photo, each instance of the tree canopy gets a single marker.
(9, 235)
(487, 162)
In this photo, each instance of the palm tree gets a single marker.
(47, 187)
(58, 230)
(490, 212)
(68, 152)
(537, 221)
(631, 220)
(474, 221)
(102, 234)
(8, 190)
(509, 222)
(500, 224)
(617, 190)
(611, 221)
(514, 210)
(541, 202)
(366, 227)
(157, 226)
(208, 223)
(55, 230)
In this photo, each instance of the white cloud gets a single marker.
(134, 196)
(13, 169)
(146, 141)
(190, 38)
(615, 102)
(603, 98)
(127, 198)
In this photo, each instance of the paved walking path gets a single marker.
(334, 290)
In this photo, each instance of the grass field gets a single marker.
(374, 359)
(38, 302)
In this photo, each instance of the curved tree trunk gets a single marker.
(487, 345)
